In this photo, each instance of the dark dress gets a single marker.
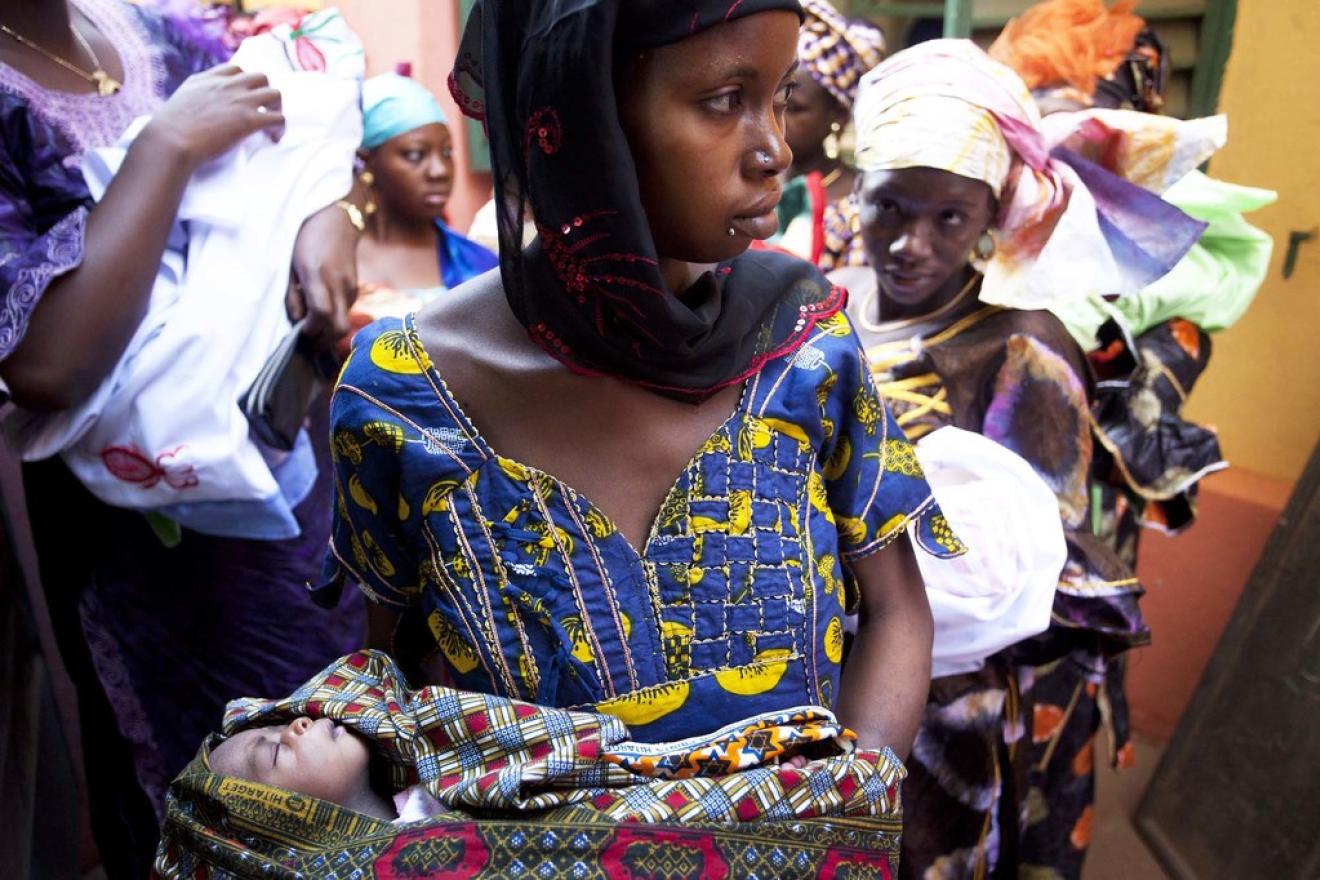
(984, 772)
(156, 639)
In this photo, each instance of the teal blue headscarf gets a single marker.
(393, 105)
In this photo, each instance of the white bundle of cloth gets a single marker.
(1002, 590)
(164, 432)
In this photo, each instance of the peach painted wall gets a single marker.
(1193, 582)
(1262, 389)
(426, 33)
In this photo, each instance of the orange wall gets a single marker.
(1262, 389)
(426, 33)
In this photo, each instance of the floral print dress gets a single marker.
(734, 606)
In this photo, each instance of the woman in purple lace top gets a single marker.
(156, 638)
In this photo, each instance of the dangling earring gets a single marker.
(368, 180)
(985, 247)
(831, 142)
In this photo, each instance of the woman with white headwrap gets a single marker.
(977, 216)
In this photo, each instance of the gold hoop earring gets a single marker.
(831, 142)
(368, 180)
(985, 247)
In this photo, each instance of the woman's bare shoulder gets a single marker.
(473, 327)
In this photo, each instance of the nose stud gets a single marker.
(731, 232)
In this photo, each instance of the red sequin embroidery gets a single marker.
(470, 106)
(544, 128)
(590, 282)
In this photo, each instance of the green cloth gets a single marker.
(795, 200)
(1212, 286)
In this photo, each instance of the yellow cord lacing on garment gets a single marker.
(914, 390)
(906, 391)
(982, 850)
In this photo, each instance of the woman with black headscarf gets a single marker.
(638, 470)
(553, 555)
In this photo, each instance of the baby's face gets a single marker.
(321, 758)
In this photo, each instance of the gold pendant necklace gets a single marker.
(106, 85)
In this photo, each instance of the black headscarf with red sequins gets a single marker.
(540, 74)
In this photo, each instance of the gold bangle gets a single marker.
(354, 215)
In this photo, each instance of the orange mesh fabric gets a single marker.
(1072, 42)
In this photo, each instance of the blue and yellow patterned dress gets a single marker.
(733, 607)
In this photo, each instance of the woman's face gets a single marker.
(319, 758)
(704, 118)
(919, 227)
(812, 112)
(414, 173)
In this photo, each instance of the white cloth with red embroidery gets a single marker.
(164, 432)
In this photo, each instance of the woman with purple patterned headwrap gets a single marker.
(834, 53)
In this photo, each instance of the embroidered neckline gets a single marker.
(86, 119)
(490, 454)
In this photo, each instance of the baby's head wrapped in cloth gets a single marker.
(301, 783)
(322, 759)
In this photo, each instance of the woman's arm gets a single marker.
(426, 667)
(86, 318)
(324, 281)
(887, 676)
(381, 623)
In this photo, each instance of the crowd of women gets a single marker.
(792, 451)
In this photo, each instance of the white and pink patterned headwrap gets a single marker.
(1079, 207)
